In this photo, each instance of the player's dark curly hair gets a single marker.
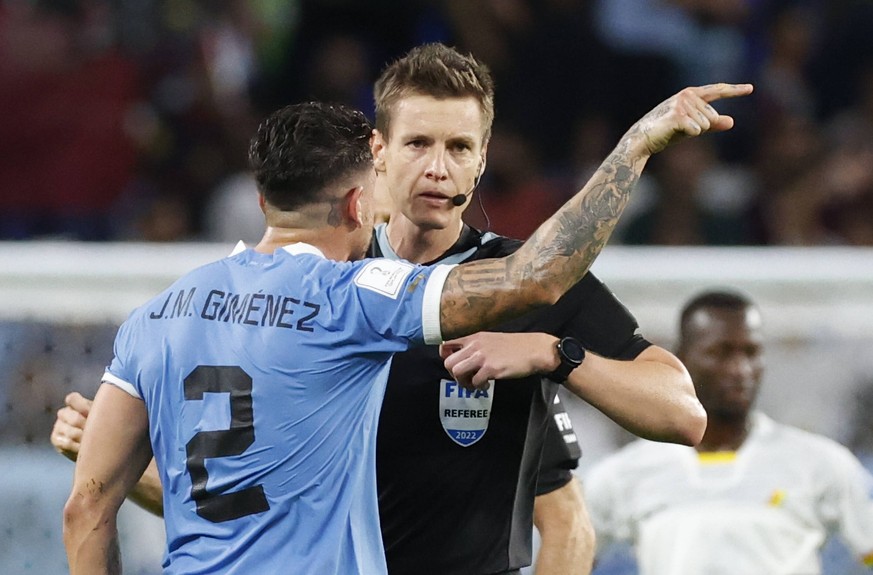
(302, 148)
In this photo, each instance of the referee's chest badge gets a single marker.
(464, 413)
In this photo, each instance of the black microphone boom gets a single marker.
(461, 199)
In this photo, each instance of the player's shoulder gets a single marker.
(815, 447)
(801, 439)
(771, 430)
(183, 288)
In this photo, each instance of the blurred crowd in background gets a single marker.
(130, 119)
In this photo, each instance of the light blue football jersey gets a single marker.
(263, 377)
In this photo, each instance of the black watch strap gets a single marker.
(572, 354)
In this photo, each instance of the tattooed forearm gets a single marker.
(586, 227)
(562, 253)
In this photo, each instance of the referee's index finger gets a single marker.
(712, 92)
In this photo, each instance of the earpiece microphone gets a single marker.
(459, 200)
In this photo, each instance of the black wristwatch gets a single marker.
(572, 354)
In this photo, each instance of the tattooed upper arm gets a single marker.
(482, 294)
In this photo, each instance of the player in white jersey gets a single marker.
(756, 497)
(256, 380)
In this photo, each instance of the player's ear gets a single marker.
(377, 147)
(354, 211)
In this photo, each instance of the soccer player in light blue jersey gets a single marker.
(256, 380)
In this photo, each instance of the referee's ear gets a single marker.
(377, 148)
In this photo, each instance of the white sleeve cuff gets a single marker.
(430, 313)
(121, 384)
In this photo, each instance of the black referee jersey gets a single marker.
(457, 470)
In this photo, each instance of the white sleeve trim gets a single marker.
(430, 312)
(121, 384)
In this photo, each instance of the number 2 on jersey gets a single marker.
(223, 443)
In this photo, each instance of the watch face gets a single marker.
(573, 350)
